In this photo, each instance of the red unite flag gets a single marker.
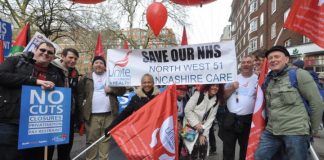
(258, 119)
(99, 48)
(306, 17)
(184, 40)
(151, 133)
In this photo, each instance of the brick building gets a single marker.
(255, 24)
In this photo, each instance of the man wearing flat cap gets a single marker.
(99, 106)
(289, 125)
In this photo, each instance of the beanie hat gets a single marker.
(298, 63)
(278, 48)
(99, 58)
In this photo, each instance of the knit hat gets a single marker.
(278, 48)
(298, 63)
(99, 58)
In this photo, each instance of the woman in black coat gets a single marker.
(146, 92)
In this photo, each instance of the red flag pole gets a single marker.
(94, 143)
(1, 51)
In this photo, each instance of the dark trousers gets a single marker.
(212, 139)
(64, 150)
(8, 141)
(232, 135)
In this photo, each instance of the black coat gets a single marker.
(15, 72)
(137, 101)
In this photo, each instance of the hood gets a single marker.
(57, 62)
(139, 92)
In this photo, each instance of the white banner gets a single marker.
(37, 39)
(193, 64)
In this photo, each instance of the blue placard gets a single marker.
(124, 100)
(44, 117)
(6, 35)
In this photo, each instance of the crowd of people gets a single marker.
(94, 103)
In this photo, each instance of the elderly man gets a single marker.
(31, 68)
(289, 124)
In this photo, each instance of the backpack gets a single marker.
(292, 73)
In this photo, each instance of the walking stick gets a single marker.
(313, 153)
(94, 143)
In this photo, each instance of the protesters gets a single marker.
(288, 122)
(182, 100)
(67, 65)
(29, 68)
(143, 95)
(200, 113)
(99, 106)
(240, 103)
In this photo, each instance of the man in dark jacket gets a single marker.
(32, 68)
(99, 106)
(67, 65)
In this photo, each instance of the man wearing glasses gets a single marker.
(30, 68)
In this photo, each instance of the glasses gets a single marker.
(48, 51)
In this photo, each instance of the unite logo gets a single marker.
(120, 74)
(165, 136)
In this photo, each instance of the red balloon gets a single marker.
(192, 2)
(87, 1)
(156, 16)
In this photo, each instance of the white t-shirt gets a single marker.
(100, 101)
(245, 94)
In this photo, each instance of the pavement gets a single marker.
(80, 145)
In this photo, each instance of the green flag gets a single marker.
(21, 40)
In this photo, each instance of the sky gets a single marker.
(207, 22)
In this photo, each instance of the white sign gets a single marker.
(36, 40)
(193, 64)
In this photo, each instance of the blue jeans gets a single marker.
(295, 146)
(8, 141)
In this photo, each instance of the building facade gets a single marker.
(256, 24)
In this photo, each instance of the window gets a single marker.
(253, 44)
(243, 40)
(233, 27)
(261, 1)
(273, 30)
(253, 6)
(288, 43)
(286, 14)
(244, 11)
(273, 6)
(261, 19)
(306, 40)
(244, 25)
(253, 25)
(261, 40)
(240, 17)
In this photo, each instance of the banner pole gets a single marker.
(314, 155)
(45, 152)
(277, 39)
(94, 143)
